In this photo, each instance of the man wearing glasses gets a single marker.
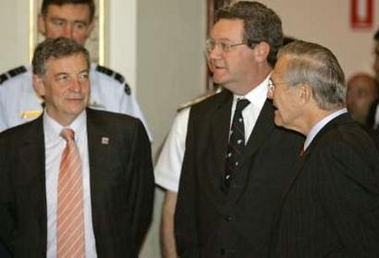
(236, 161)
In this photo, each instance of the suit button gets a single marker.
(228, 218)
(223, 252)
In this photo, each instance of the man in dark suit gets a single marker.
(114, 155)
(226, 200)
(330, 208)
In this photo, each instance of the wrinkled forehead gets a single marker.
(71, 12)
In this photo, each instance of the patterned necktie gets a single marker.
(236, 144)
(70, 217)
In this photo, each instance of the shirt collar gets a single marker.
(53, 129)
(256, 96)
(317, 127)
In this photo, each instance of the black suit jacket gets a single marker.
(121, 180)
(331, 206)
(210, 223)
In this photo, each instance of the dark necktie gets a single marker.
(236, 144)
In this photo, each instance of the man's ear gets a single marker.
(261, 51)
(38, 85)
(41, 24)
(305, 93)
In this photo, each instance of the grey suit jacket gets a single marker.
(210, 223)
(121, 180)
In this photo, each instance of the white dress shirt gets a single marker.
(169, 165)
(54, 146)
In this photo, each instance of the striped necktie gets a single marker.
(236, 144)
(70, 216)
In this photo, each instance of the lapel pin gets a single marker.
(104, 140)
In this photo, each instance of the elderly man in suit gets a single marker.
(75, 182)
(330, 208)
(231, 180)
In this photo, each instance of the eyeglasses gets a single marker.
(210, 44)
(272, 85)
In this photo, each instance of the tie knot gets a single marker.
(68, 134)
(241, 104)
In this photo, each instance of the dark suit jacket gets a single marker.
(210, 223)
(121, 180)
(331, 207)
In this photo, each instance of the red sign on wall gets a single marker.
(361, 15)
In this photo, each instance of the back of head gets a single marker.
(316, 66)
(47, 3)
(260, 24)
(55, 49)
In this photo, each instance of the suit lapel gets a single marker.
(99, 145)
(261, 131)
(31, 169)
(220, 126)
(344, 118)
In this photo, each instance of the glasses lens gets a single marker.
(209, 45)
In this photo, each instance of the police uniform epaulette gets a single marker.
(118, 77)
(198, 99)
(12, 73)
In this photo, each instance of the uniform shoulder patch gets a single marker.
(199, 99)
(114, 75)
(12, 73)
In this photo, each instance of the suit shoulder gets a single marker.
(214, 100)
(13, 73)
(114, 76)
(105, 116)
(198, 99)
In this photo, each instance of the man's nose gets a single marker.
(68, 31)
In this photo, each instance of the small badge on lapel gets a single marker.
(104, 140)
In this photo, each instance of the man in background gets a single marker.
(376, 55)
(362, 91)
(75, 182)
(330, 206)
(72, 19)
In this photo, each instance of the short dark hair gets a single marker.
(260, 24)
(47, 3)
(56, 48)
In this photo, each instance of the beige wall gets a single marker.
(170, 71)
(14, 40)
(328, 23)
(157, 46)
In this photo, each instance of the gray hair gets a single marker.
(260, 24)
(318, 67)
(55, 49)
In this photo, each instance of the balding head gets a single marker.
(362, 90)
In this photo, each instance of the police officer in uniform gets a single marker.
(74, 19)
